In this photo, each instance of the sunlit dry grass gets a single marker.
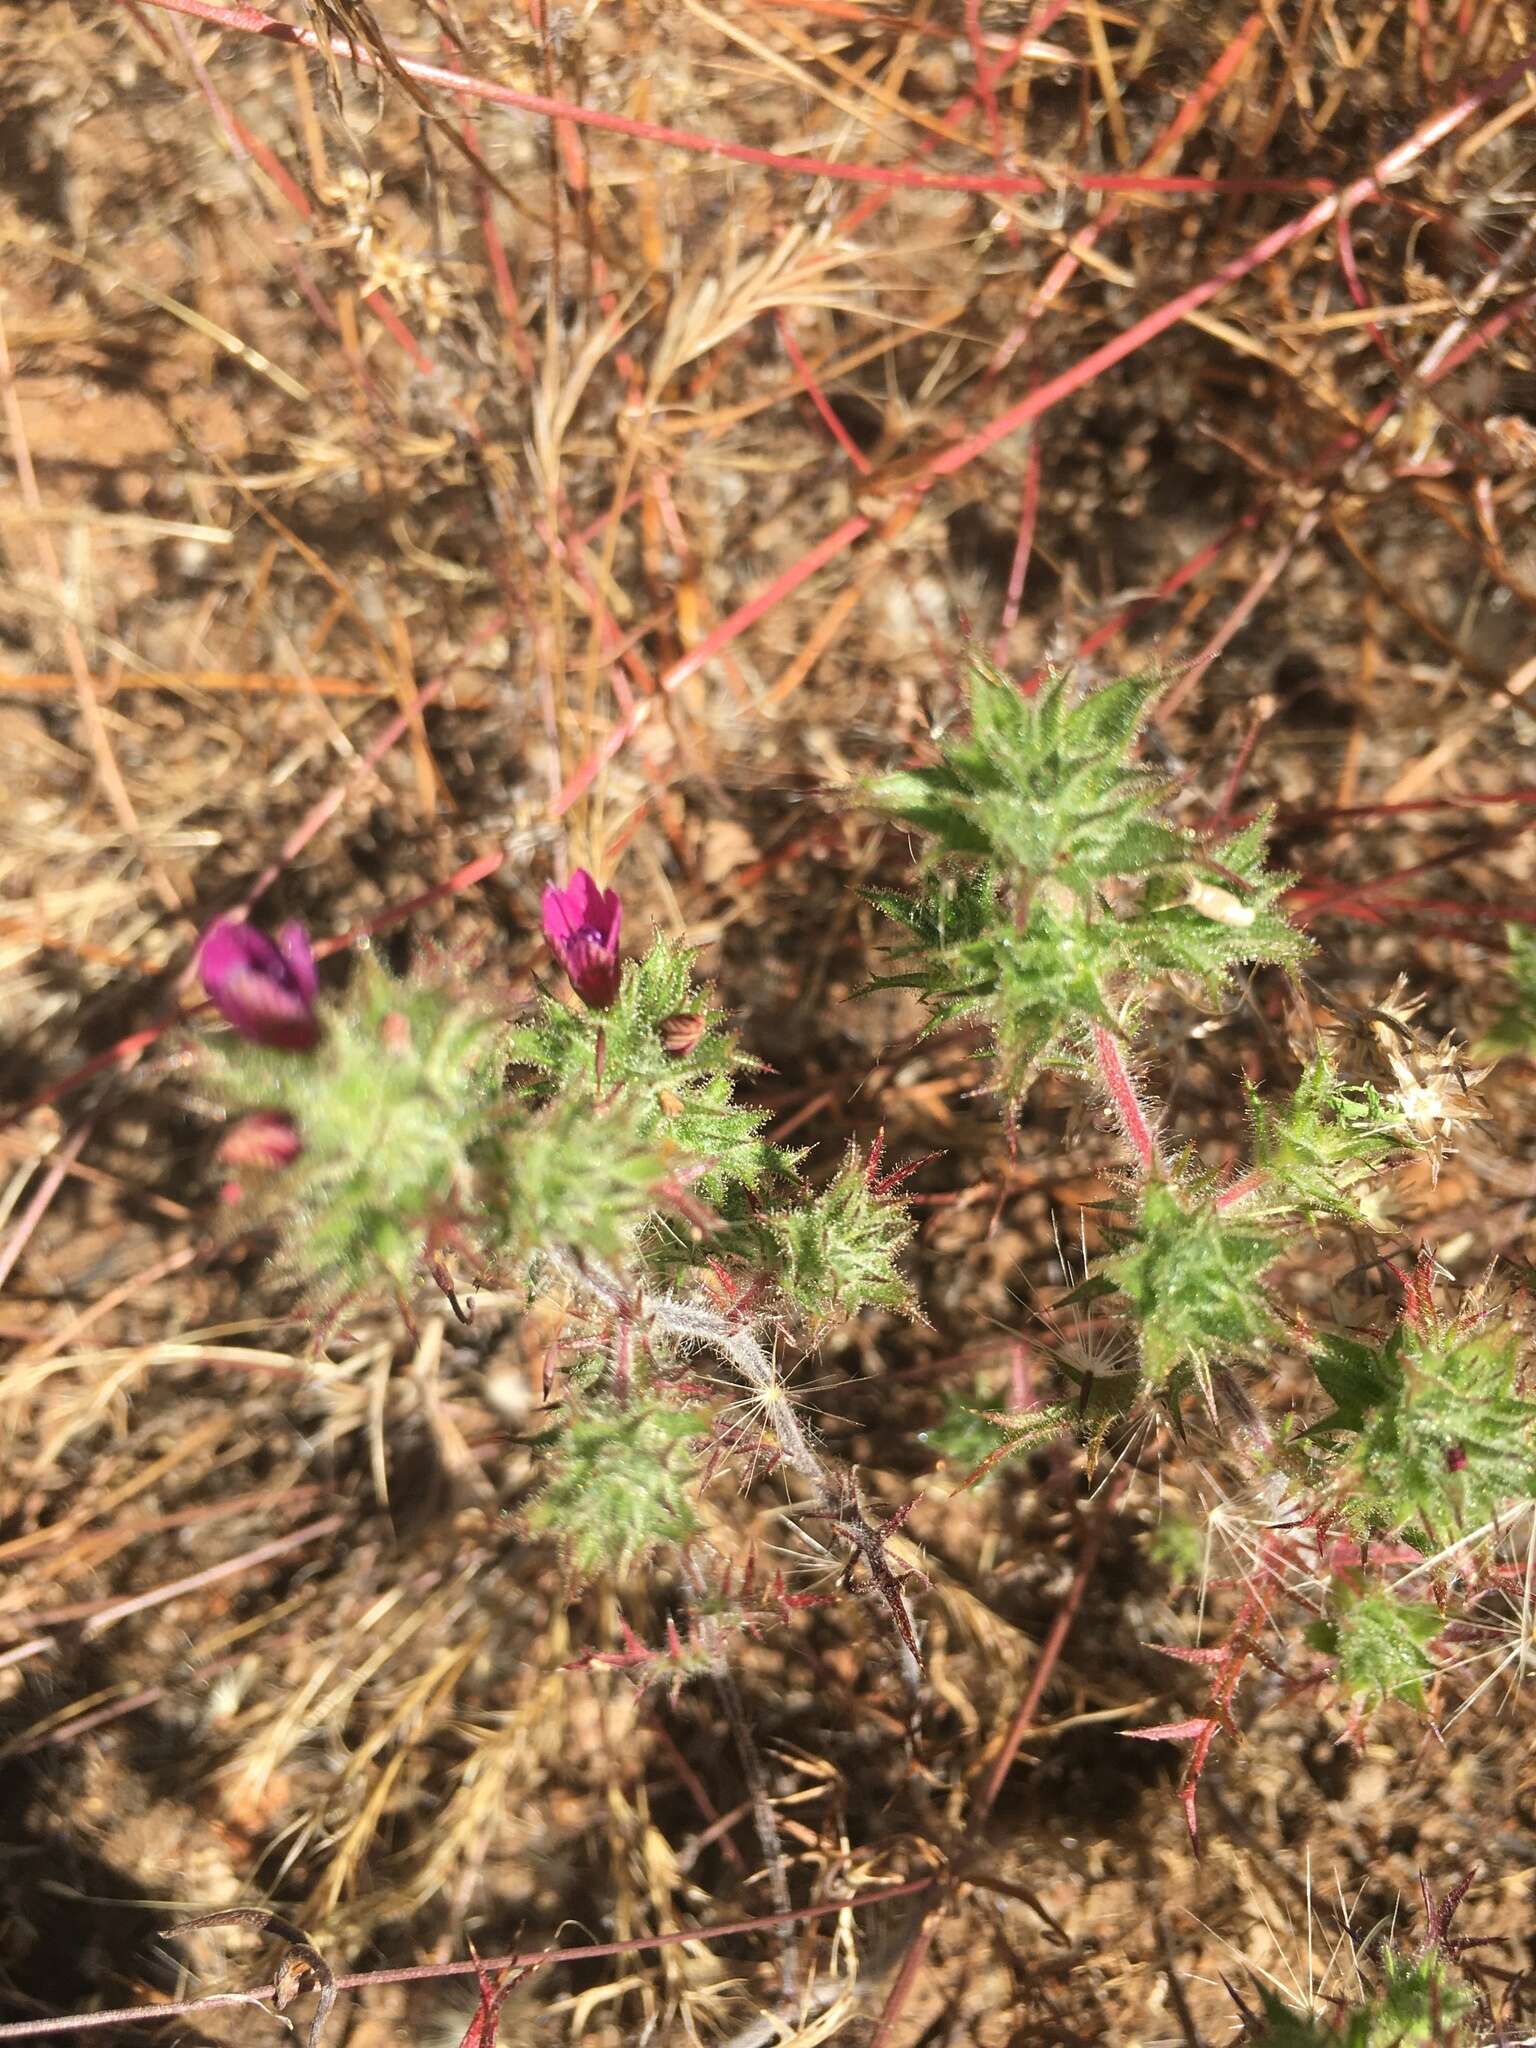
(406, 485)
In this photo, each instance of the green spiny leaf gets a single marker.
(1056, 890)
(836, 1251)
(1381, 1644)
(1043, 786)
(575, 1175)
(1326, 1143)
(621, 1484)
(682, 1100)
(1429, 1430)
(1217, 913)
(390, 1108)
(1192, 1275)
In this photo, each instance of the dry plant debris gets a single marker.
(449, 442)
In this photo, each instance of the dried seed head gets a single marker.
(1435, 1092)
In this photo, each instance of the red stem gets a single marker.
(145, 2015)
(252, 22)
(819, 399)
(1018, 569)
(1050, 1649)
(911, 1968)
(1074, 378)
(1123, 1099)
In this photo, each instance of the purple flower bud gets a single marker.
(581, 923)
(1455, 1458)
(265, 988)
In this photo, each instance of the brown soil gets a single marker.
(299, 439)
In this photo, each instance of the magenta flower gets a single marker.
(581, 923)
(266, 988)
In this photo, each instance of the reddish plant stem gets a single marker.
(1191, 114)
(63, 1158)
(231, 1568)
(1321, 894)
(1171, 585)
(906, 1977)
(819, 399)
(1050, 1654)
(126, 1530)
(1327, 814)
(1409, 910)
(1018, 569)
(1053, 390)
(252, 22)
(1052, 1647)
(986, 92)
(419, 1973)
(469, 876)
(1360, 190)
(714, 642)
(1123, 1099)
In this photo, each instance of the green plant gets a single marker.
(621, 1482)
(1418, 2005)
(1430, 1432)
(595, 1152)
(1056, 891)
(1380, 1644)
(1514, 1026)
(1056, 899)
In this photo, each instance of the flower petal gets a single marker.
(562, 916)
(595, 970)
(266, 995)
(267, 1011)
(605, 914)
(293, 944)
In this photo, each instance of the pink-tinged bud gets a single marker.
(262, 1139)
(681, 1032)
(581, 923)
(395, 1031)
(265, 988)
(1455, 1458)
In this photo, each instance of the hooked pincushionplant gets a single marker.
(265, 988)
(581, 923)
